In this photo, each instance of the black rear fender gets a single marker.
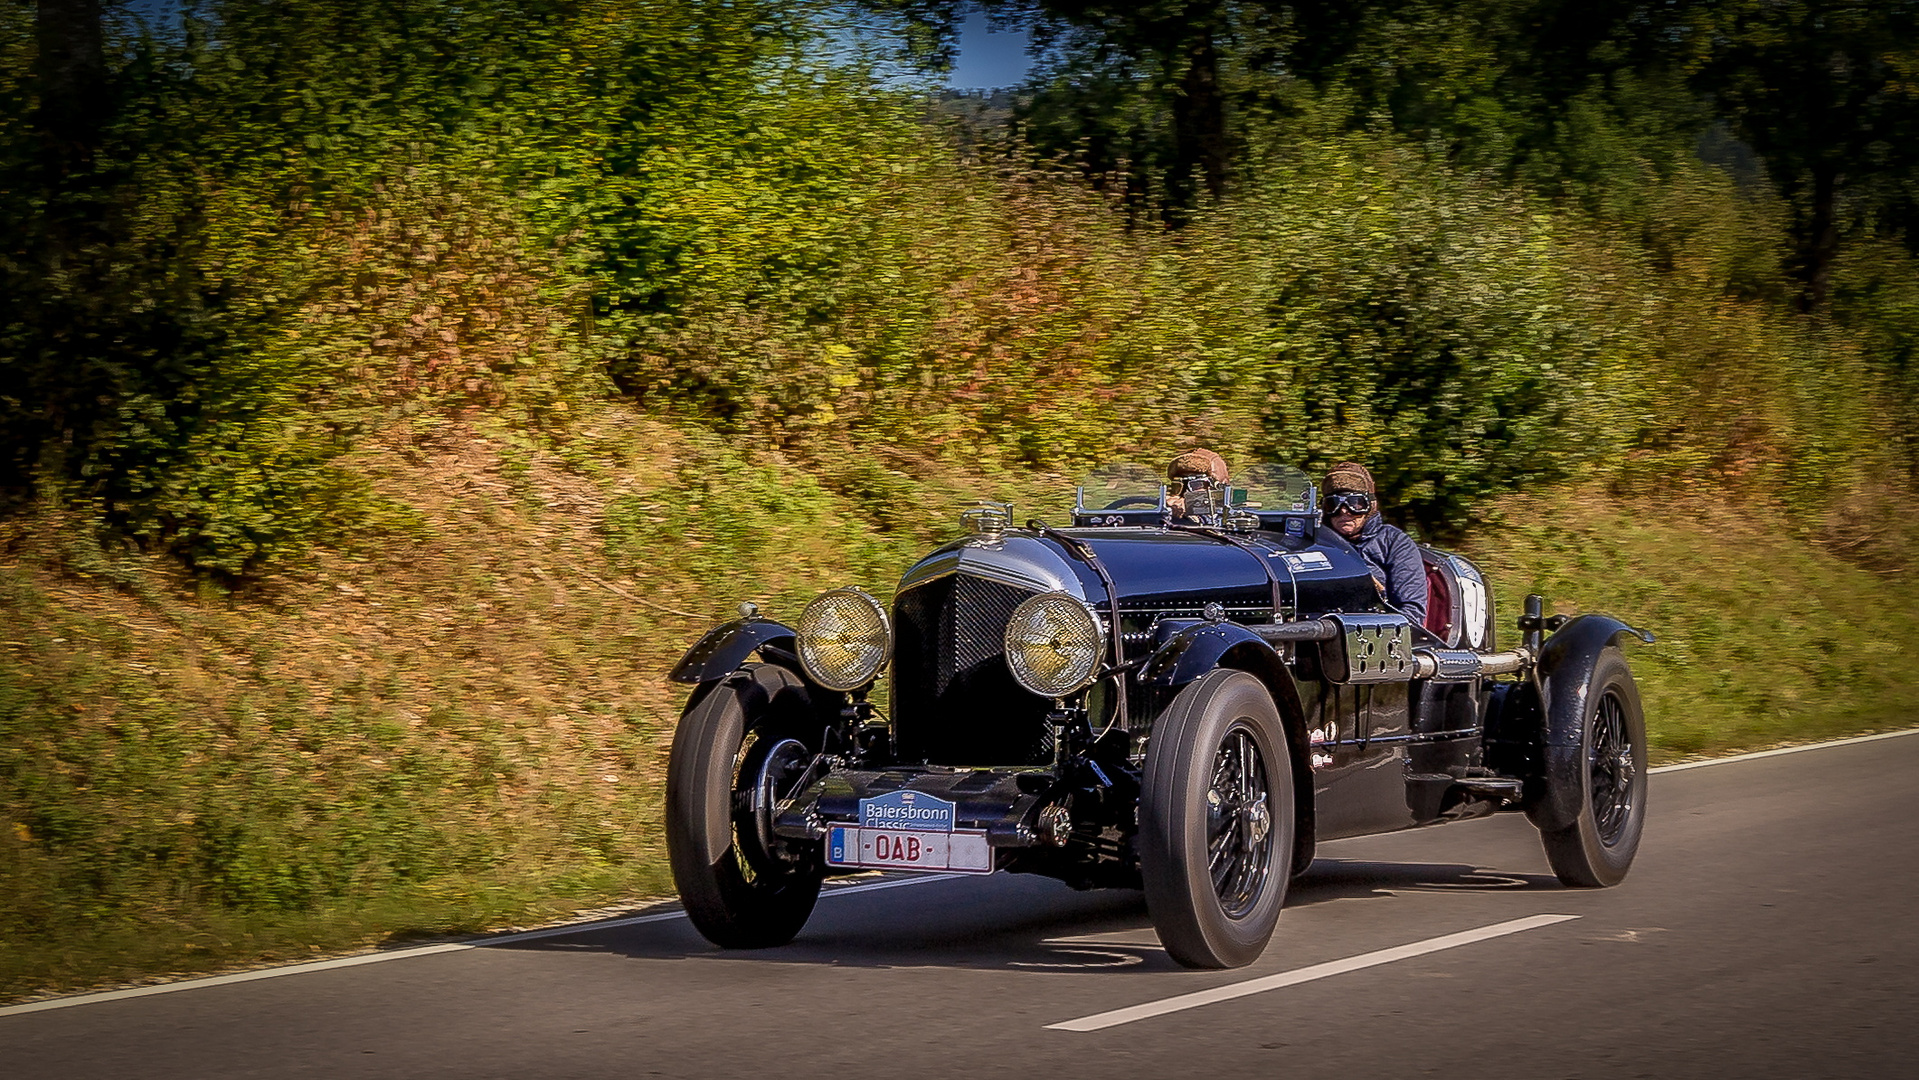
(1566, 664)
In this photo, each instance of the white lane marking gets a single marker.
(1684, 765)
(424, 950)
(1260, 985)
(638, 920)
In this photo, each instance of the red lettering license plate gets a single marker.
(964, 851)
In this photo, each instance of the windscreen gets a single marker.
(1121, 486)
(1272, 489)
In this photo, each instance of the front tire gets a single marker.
(1216, 821)
(1598, 847)
(747, 735)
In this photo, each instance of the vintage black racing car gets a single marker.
(1184, 704)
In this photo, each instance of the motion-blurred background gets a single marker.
(390, 390)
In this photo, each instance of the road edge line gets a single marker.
(1779, 751)
(637, 920)
(565, 929)
(104, 996)
(236, 977)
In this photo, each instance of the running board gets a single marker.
(1443, 796)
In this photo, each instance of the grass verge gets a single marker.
(461, 724)
(1765, 638)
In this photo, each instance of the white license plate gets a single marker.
(963, 852)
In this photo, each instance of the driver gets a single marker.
(1198, 485)
(1352, 509)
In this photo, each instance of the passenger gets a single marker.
(1198, 486)
(1352, 509)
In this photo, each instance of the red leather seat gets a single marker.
(1439, 603)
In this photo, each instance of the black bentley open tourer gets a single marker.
(1161, 696)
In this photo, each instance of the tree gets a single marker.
(1172, 88)
(1103, 55)
(50, 231)
(1827, 93)
(71, 72)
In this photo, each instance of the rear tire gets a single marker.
(742, 887)
(1216, 821)
(1597, 849)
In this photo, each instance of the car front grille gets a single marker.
(954, 701)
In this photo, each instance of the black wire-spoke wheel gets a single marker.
(1610, 761)
(1239, 823)
(741, 747)
(1598, 847)
(1216, 821)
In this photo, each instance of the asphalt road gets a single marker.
(1766, 930)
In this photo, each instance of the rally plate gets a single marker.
(908, 830)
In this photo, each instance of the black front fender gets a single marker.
(726, 647)
(1566, 663)
(1194, 650)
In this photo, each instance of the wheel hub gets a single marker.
(768, 777)
(1239, 823)
(1258, 822)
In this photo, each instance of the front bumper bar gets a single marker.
(1005, 803)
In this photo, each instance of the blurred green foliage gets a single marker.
(302, 219)
(1487, 249)
(743, 521)
(1481, 252)
(1762, 640)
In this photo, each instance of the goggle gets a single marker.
(1193, 483)
(1349, 502)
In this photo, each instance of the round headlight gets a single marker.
(1053, 644)
(844, 639)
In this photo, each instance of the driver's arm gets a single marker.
(1406, 579)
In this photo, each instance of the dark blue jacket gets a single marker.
(1395, 560)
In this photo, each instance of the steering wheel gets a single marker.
(1133, 500)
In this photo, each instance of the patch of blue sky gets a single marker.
(989, 59)
(985, 59)
(852, 37)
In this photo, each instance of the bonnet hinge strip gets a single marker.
(1261, 557)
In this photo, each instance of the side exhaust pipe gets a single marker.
(1303, 630)
(1466, 664)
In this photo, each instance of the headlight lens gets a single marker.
(844, 639)
(1053, 644)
